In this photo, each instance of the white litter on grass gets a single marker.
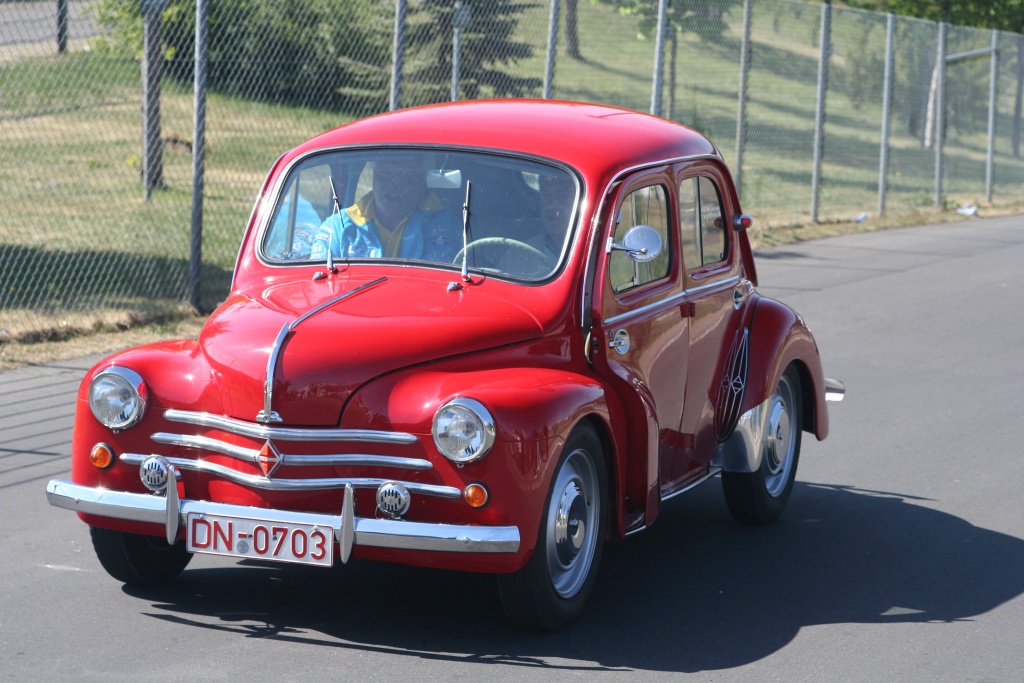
(861, 218)
(969, 210)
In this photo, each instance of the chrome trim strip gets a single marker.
(835, 390)
(265, 484)
(206, 443)
(255, 431)
(251, 454)
(712, 471)
(728, 282)
(268, 414)
(348, 529)
(327, 304)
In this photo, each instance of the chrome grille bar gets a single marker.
(251, 454)
(265, 484)
(256, 431)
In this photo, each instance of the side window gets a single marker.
(645, 206)
(704, 237)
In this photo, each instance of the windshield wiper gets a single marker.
(330, 236)
(465, 236)
(453, 286)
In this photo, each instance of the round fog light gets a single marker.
(101, 456)
(475, 495)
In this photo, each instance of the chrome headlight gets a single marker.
(117, 397)
(463, 430)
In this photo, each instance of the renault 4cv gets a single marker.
(487, 336)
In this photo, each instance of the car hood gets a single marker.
(344, 333)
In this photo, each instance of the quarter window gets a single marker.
(700, 219)
(645, 206)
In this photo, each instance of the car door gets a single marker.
(640, 335)
(715, 294)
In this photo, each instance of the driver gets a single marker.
(398, 218)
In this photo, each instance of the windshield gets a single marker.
(407, 205)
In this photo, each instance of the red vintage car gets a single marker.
(486, 336)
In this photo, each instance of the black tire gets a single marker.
(549, 593)
(139, 560)
(760, 497)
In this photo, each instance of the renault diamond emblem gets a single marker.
(268, 458)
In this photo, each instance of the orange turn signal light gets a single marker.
(101, 456)
(476, 495)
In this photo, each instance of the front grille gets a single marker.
(261, 477)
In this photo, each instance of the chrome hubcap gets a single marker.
(572, 523)
(779, 439)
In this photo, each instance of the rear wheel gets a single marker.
(551, 590)
(760, 497)
(139, 560)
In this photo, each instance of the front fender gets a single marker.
(534, 410)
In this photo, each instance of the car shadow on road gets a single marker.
(695, 592)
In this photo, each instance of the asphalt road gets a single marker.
(36, 22)
(900, 557)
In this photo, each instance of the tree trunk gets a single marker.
(572, 38)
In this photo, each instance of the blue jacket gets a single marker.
(433, 232)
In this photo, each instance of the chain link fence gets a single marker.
(96, 225)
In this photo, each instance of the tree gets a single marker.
(1006, 15)
(488, 48)
(705, 18)
(316, 53)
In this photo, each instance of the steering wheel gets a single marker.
(506, 242)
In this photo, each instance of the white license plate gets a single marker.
(259, 539)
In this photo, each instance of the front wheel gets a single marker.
(139, 560)
(550, 591)
(759, 497)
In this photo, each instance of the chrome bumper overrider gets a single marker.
(349, 530)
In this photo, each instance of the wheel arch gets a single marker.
(779, 338)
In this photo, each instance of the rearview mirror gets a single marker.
(440, 179)
(642, 244)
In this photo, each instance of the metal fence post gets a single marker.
(456, 48)
(397, 54)
(940, 106)
(152, 149)
(659, 58)
(741, 108)
(819, 107)
(1019, 97)
(195, 263)
(62, 26)
(883, 152)
(549, 66)
(993, 74)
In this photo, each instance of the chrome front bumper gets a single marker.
(170, 512)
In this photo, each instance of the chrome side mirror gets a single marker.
(642, 244)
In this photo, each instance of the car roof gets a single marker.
(595, 139)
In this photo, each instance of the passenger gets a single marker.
(307, 222)
(557, 192)
(398, 218)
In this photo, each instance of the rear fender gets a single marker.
(779, 337)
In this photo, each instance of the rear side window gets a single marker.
(704, 238)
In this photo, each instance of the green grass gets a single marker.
(78, 242)
(76, 233)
